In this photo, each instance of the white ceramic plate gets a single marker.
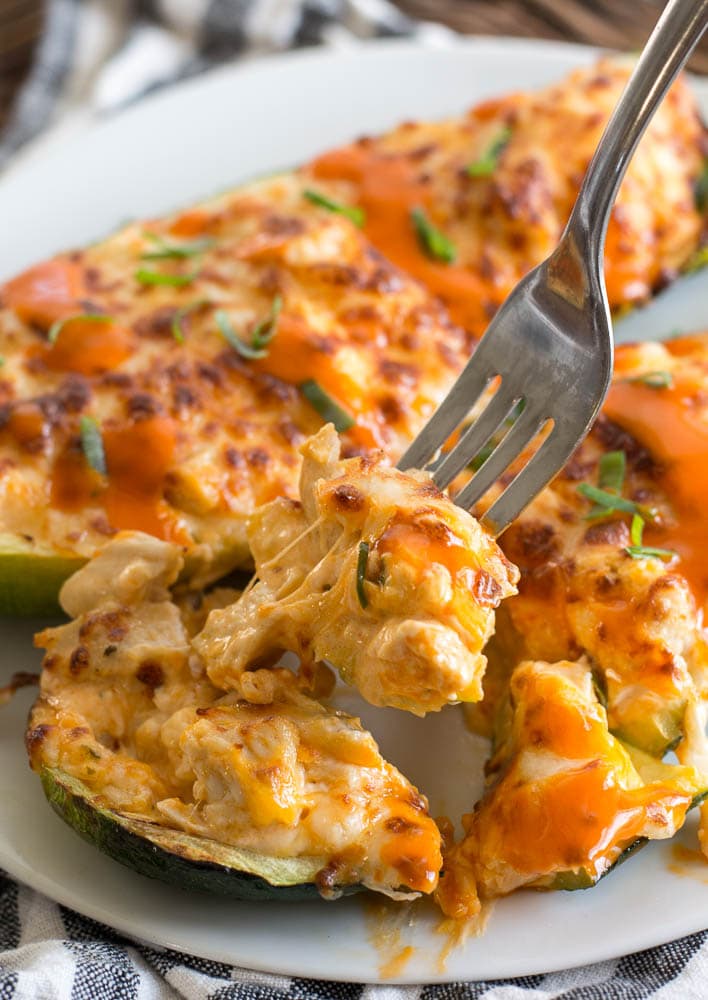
(193, 140)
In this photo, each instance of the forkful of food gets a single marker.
(546, 358)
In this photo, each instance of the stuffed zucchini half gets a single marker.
(257, 791)
(612, 553)
(180, 858)
(566, 801)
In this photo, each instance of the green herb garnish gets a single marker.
(482, 455)
(361, 564)
(646, 552)
(352, 212)
(608, 502)
(232, 338)
(146, 277)
(181, 315)
(328, 408)
(92, 444)
(637, 530)
(654, 380)
(611, 471)
(262, 334)
(268, 327)
(486, 164)
(176, 251)
(433, 242)
(56, 328)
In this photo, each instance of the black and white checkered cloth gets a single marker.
(96, 56)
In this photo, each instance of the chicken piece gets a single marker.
(375, 571)
(566, 799)
(280, 774)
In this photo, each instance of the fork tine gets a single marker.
(469, 386)
(537, 473)
(475, 437)
(519, 435)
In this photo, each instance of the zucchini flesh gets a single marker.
(179, 858)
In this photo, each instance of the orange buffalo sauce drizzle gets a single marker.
(388, 190)
(422, 548)
(579, 817)
(88, 347)
(138, 457)
(53, 291)
(295, 357)
(46, 293)
(670, 427)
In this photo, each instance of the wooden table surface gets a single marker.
(618, 24)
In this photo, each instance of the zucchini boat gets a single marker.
(566, 800)
(612, 553)
(256, 791)
(180, 858)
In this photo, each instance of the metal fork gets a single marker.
(550, 344)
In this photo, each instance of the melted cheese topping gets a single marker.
(505, 220)
(566, 798)
(127, 708)
(195, 435)
(406, 626)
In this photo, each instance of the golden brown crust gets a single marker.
(195, 435)
(508, 217)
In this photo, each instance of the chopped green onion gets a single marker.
(609, 502)
(487, 162)
(328, 408)
(646, 552)
(637, 530)
(701, 189)
(612, 469)
(432, 241)
(481, 457)
(2, 360)
(697, 261)
(92, 444)
(232, 338)
(56, 328)
(181, 315)
(146, 277)
(654, 380)
(361, 564)
(352, 212)
(176, 251)
(268, 327)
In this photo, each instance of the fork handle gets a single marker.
(674, 37)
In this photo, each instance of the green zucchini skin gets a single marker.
(181, 859)
(30, 583)
(31, 577)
